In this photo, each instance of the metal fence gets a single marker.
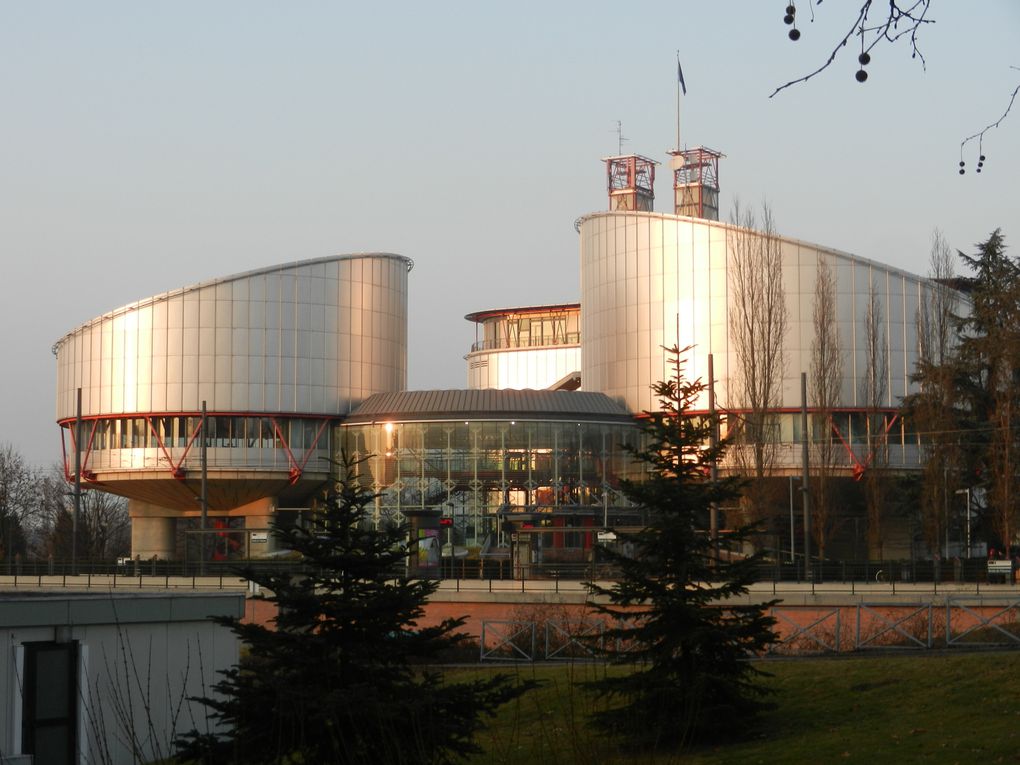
(957, 571)
(551, 640)
(873, 626)
(853, 576)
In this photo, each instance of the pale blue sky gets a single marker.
(147, 146)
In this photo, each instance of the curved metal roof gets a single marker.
(726, 225)
(489, 404)
(232, 278)
(478, 316)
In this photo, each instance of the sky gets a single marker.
(150, 146)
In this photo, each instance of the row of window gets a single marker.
(855, 428)
(221, 432)
(527, 341)
(530, 330)
(500, 445)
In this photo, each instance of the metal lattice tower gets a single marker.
(630, 180)
(696, 182)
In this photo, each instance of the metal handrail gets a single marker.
(542, 341)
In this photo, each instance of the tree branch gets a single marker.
(980, 135)
(911, 17)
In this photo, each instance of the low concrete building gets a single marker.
(107, 678)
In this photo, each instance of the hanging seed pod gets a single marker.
(861, 75)
(864, 58)
(795, 34)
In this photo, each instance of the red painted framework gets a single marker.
(296, 469)
(891, 417)
(700, 167)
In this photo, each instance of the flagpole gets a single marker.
(678, 101)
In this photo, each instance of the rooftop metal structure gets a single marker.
(696, 182)
(630, 181)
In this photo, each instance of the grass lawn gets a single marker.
(924, 708)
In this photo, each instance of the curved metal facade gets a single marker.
(275, 354)
(317, 336)
(650, 281)
(522, 369)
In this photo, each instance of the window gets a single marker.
(103, 435)
(139, 433)
(166, 431)
(192, 425)
(50, 711)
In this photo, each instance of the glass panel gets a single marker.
(192, 426)
(52, 744)
(166, 430)
(52, 680)
(267, 433)
(182, 432)
(139, 434)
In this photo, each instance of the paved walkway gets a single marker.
(562, 590)
(110, 581)
(791, 593)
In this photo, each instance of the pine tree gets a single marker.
(969, 400)
(341, 676)
(691, 680)
(986, 371)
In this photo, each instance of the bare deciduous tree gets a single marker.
(935, 321)
(758, 326)
(104, 530)
(18, 503)
(873, 392)
(826, 381)
(933, 407)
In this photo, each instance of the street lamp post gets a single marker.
(793, 540)
(945, 507)
(966, 517)
(806, 497)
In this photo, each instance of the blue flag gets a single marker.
(680, 76)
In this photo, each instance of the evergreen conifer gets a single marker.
(342, 675)
(671, 605)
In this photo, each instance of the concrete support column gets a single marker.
(153, 537)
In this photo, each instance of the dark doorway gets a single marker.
(49, 721)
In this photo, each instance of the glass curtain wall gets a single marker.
(491, 477)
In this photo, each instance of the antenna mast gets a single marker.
(619, 138)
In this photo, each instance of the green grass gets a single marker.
(926, 708)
